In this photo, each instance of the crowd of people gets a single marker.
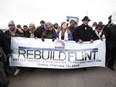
(66, 32)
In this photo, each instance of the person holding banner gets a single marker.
(49, 32)
(31, 32)
(83, 32)
(41, 28)
(13, 32)
(64, 33)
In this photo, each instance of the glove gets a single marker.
(53, 39)
(43, 39)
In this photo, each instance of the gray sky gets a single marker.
(32, 11)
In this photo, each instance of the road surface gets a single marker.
(92, 77)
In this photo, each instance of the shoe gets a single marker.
(17, 72)
(111, 68)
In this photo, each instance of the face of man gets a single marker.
(12, 27)
(56, 26)
(85, 22)
(31, 27)
(25, 28)
(42, 25)
(72, 23)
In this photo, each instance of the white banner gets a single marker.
(30, 52)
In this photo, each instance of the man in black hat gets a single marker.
(83, 32)
(41, 28)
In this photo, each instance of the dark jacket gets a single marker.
(111, 37)
(95, 36)
(3, 79)
(49, 35)
(8, 35)
(3, 43)
(40, 30)
(71, 29)
(82, 33)
(27, 34)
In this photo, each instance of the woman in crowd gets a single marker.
(49, 32)
(64, 33)
(97, 32)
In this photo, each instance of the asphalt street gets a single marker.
(92, 77)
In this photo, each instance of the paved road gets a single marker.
(93, 77)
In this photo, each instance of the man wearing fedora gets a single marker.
(83, 32)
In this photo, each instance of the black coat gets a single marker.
(49, 35)
(95, 36)
(27, 34)
(3, 78)
(40, 30)
(3, 43)
(8, 35)
(81, 33)
(111, 37)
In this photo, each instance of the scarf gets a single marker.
(32, 34)
(65, 35)
(12, 33)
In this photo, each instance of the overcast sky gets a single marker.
(32, 11)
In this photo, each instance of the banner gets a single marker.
(30, 52)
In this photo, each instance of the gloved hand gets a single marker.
(43, 39)
(53, 39)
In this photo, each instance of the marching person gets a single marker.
(3, 79)
(72, 26)
(31, 32)
(41, 28)
(13, 32)
(4, 53)
(94, 25)
(111, 42)
(105, 30)
(25, 28)
(83, 32)
(97, 32)
(56, 27)
(49, 32)
(64, 33)
(6, 48)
